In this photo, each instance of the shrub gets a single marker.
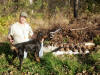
(97, 40)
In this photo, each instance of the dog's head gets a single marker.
(41, 35)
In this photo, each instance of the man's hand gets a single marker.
(33, 36)
(11, 41)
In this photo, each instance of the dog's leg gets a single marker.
(37, 58)
(14, 55)
(21, 60)
(37, 55)
(13, 48)
(21, 55)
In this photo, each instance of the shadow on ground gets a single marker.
(5, 49)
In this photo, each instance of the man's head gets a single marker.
(23, 16)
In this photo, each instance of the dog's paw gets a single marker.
(38, 59)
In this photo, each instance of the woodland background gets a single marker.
(48, 15)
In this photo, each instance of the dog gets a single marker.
(32, 46)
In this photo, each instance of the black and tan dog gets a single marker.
(32, 46)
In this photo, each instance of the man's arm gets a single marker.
(10, 35)
(10, 38)
(31, 34)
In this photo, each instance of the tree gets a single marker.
(16, 4)
(76, 4)
(31, 2)
(3, 1)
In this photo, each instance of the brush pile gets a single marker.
(77, 36)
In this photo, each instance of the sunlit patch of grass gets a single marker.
(53, 65)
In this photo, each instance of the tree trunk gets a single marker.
(31, 2)
(2, 1)
(76, 3)
(16, 1)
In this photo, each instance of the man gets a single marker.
(20, 31)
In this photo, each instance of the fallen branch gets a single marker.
(83, 28)
(55, 31)
(79, 28)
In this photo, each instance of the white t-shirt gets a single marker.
(20, 32)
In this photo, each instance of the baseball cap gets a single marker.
(24, 14)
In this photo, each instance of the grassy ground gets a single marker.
(50, 65)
